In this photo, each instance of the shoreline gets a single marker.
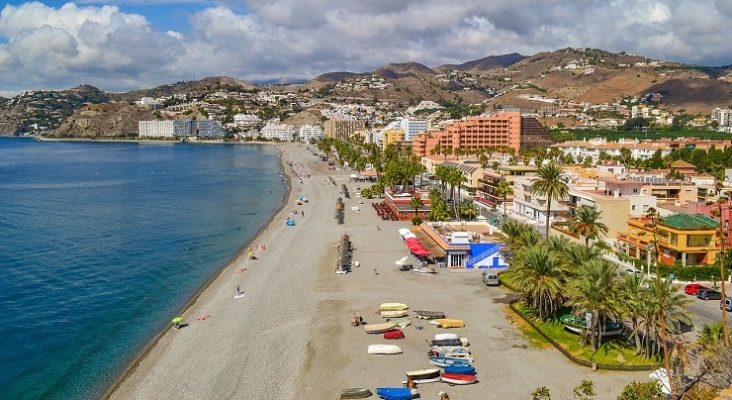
(287, 198)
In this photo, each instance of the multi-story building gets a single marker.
(690, 239)
(155, 129)
(581, 149)
(412, 127)
(342, 129)
(209, 129)
(507, 129)
(488, 183)
(310, 132)
(277, 131)
(470, 169)
(533, 208)
(389, 136)
(721, 115)
(247, 120)
(184, 128)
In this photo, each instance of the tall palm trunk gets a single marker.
(550, 196)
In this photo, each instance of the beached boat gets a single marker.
(384, 349)
(392, 307)
(458, 379)
(460, 369)
(444, 336)
(463, 356)
(428, 314)
(396, 393)
(578, 325)
(427, 380)
(449, 342)
(425, 270)
(379, 328)
(424, 373)
(355, 393)
(449, 351)
(445, 361)
(400, 322)
(448, 323)
(393, 314)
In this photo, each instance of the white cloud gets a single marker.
(42, 46)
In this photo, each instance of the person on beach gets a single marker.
(237, 289)
(303, 213)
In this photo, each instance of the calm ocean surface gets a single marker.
(87, 230)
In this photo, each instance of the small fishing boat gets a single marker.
(460, 369)
(578, 325)
(449, 352)
(379, 328)
(449, 342)
(392, 307)
(445, 361)
(464, 356)
(438, 378)
(428, 314)
(424, 373)
(355, 393)
(444, 336)
(396, 393)
(392, 314)
(458, 379)
(424, 270)
(400, 322)
(384, 349)
(448, 323)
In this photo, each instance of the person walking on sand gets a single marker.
(237, 289)
(303, 213)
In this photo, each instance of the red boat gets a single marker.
(394, 334)
(458, 379)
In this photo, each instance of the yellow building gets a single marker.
(691, 239)
(390, 136)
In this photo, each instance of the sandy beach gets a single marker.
(289, 336)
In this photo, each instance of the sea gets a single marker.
(103, 244)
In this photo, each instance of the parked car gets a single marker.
(694, 288)
(490, 278)
(709, 294)
(633, 271)
(727, 304)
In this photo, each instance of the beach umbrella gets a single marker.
(421, 252)
(401, 261)
(177, 320)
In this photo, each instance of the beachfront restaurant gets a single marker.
(464, 245)
(398, 202)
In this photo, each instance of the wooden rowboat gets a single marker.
(355, 393)
(392, 307)
(424, 373)
(458, 379)
(428, 314)
(384, 349)
(379, 328)
(392, 314)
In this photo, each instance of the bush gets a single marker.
(416, 221)
(641, 391)
(689, 274)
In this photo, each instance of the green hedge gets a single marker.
(691, 274)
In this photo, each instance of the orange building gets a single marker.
(503, 129)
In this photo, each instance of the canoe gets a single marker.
(393, 314)
(424, 373)
(458, 379)
(429, 314)
(445, 361)
(392, 307)
(460, 369)
(448, 323)
(379, 328)
(384, 349)
(449, 342)
(443, 336)
(355, 393)
(396, 393)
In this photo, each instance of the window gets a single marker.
(674, 239)
(698, 240)
(632, 207)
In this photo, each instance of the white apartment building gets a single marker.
(639, 112)
(247, 120)
(308, 132)
(156, 129)
(413, 127)
(721, 115)
(283, 132)
(532, 209)
(580, 149)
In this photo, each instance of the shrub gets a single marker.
(689, 274)
(416, 221)
(641, 391)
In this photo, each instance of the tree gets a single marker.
(416, 203)
(483, 160)
(586, 223)
(721, 200)
(504, 189)
(539, 277)
(642, 391)
(468, 211)
(552, 184)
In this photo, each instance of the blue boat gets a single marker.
(445, 361)
(396, 393)
(460, 369)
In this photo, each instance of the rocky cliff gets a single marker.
(99, 121)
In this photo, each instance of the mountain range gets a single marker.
(570, 75)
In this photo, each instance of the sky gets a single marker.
(122, 45)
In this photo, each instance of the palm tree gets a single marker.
(711, 338)
(483, 160)
(416, 203)
(539, 277)
(634, 297)
(586, 223)
(552, 184)
(594, 291)
(722, 200)
(504, 189)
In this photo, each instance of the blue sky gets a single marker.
(124, 45)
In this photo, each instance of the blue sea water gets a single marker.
(89, 230)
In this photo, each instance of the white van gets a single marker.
(727, 304)
(490, 278)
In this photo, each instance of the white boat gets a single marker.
(450, 350)
(424, 270)
(400, 322)
(384, 349)
(450, 354)
(379, 328)
(445, 361)
(426, 380)
(392, 307)
(458, 379)
(424, 373)
(393, 314)
(444, 336)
